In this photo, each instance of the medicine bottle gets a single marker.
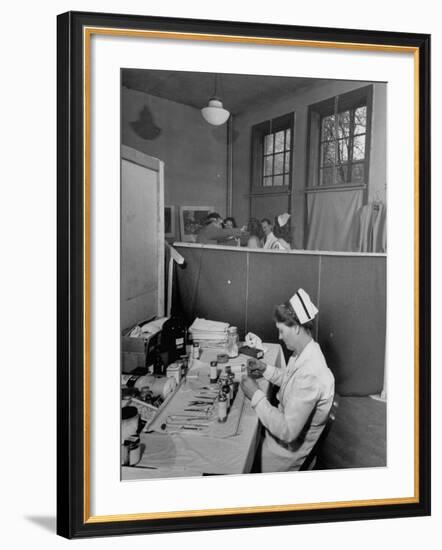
(213, 375)
(226, 390)
(232, 342)
(196, 350)
(222, 407)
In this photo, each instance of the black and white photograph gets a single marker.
(253, 339)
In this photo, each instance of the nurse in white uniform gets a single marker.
(306, 390)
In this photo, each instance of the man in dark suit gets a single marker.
(213, 231)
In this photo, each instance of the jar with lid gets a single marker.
(232, 342)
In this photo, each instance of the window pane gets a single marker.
(358, 173)
(267, 182)
(343, 150)
(328, 153)
(359, 148)
(341, 174)
(286, 179)
(287, 163)
(361, 120)
(279, 141)
(326, 176)
(278, 180)
(288, 135)
(279, 164)
(344, 124)
(268, 166)
(328, 128)
(268, 144)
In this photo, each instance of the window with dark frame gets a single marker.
(272, 153)
(340, 140)
(276, 158)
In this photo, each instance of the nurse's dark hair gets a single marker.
(284, 313)
(211, 217)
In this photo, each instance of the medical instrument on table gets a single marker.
(183, 427)
(186, 418)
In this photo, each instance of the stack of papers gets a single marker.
(206, 331)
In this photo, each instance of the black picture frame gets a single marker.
(73, 517)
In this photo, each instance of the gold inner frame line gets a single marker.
(87, 34)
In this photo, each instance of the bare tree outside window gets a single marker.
(342, 145)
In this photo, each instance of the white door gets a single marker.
(142, 237)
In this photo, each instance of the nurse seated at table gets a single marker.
(306, 390)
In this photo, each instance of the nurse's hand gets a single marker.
(255, 367)
(249, 386)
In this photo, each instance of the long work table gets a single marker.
(186, 453)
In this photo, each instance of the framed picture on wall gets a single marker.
(205, 110)
(169, 222)
(192, 218)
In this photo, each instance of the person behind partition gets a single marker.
(254, 236)
(230, 222)
(281, 230)
(254, 242)
(306, 389)
(269, 237)
(213, 232)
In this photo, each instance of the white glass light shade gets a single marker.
(214, 113)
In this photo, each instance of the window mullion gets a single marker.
(350, 144)
(335, 168)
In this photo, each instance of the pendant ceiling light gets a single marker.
(215, 113)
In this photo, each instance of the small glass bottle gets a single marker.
(158, 366)
(213, 375)
(185, 364)
(231, 382)
(226, 390)
(222, 407)
(232, 342)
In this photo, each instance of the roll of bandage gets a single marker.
(159, 385)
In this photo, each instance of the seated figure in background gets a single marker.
(281, 230)
(255, 234)
(254, 242)
(269, 237)
(230, 222)
(213, 231)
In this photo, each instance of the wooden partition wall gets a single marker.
(242, 286)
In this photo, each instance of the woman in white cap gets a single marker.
(281, 230)
(306, 390)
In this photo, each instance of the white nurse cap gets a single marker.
(283, 219)
(304, 308)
